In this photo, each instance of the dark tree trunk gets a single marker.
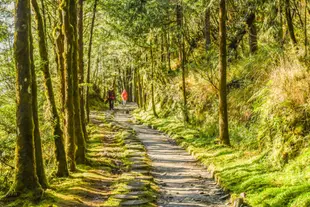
(62, 169)
(26, 178)
(89, 58)
(207, 29)
(241, 32)
(223, 115)
(252, 35)
(289, 20)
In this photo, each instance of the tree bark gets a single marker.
(289, 20)
(62, 168)
(208, 29)
(60, 42)
(223, 115)
(182, 58)
(252, 35)
(89, 58)
(69, 105)
(152, 83)
(81, 68)
(26, 178)
(79, 136)
(37, 137)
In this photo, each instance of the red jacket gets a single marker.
(125, 95)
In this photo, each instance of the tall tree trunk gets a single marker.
(36, 131)
(81, 68)
(152, 82)
(60, 42)
(79, 136)
(89, 58)
(289, 20)
(223, 116)
(168, 51)
(26, 178)
(62, 169)
(182, 58)
(69, 105)
(208, 29)
(179, 20)
(252, 35)
(185, 110)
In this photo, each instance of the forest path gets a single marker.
(182, 181)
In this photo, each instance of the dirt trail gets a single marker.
(183, 182)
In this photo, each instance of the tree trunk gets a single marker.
(81, 68)
(152, 84)
(69, 105)
(185, 110)
(62, 169)
(89, 58)
(37, 137)
(26, 178)
(223, 116)
(252, 36)
(179, 19)
(207, 29)
(60, 42)
(182, 57)
(289, 20)
(79, 136)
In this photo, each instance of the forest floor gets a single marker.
(131, 165)
(117, 174)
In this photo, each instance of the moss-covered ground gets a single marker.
(97, 182)
(242, 171)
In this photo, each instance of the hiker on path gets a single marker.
(124, 97)
(111, 98)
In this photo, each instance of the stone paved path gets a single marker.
(182, 181)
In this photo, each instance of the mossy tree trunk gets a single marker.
(89, 58)
(62, 169)
(79, 136)
(59, 42)
(68, 66)
(36, 131)
(223, 115)
(81, 68)
(26, 178)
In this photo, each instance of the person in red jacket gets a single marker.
(124, 96)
